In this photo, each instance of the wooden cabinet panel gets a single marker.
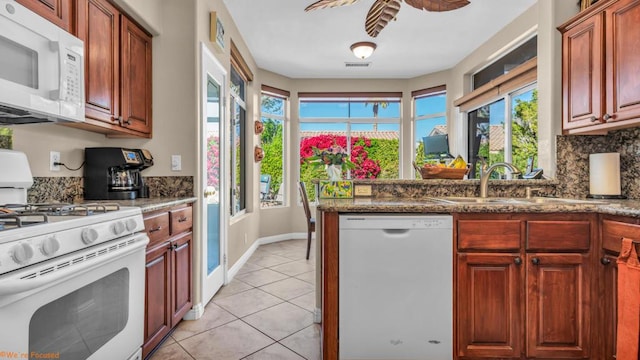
(181, 272)
(157, 297)
(582, 74)
(614, 231)
(170, 247)
(489, 295)
(601, 63)
(157, 227)
(558, 312)
(623, 60)
(99, 28)
(498, 235)
(59, 12)
(558, 235)
(135, 77)
(181, 219)
(608, 306)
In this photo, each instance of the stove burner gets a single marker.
(22, 219)
(60, 209)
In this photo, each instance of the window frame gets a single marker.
(421, 94)
(238, 99)
(284, 118)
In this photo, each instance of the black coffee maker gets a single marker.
(113, 173)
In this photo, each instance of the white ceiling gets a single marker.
(286, 40)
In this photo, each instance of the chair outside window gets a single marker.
(265, 186)
(311, 222)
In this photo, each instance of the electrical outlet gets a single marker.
(245, 238)
(54, 157)
(176, 162)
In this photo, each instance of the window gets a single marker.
(237, 142)
(429, 109)
(508, 62)
(502, 114)
(272, 170)
(505, 130)
(240, 75)
(365, 125)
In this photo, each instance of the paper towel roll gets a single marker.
(604, 174)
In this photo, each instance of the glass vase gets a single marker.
(334, 172)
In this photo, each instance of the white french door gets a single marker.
(212, 200)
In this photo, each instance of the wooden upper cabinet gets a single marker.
(582, 51)
(136, 77)
(623, 60)
(99, 28)
(59, 12)
(117, 71)
(601, 67)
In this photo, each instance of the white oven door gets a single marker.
(90, 309)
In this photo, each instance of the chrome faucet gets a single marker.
(485, 175)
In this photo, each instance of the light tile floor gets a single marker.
(265, 312)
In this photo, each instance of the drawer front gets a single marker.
(614, 231)
(181, 220)
(497, 235)
(157, 227)
(558, 235)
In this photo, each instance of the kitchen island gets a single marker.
(543, 253)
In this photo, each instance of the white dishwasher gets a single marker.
(396, 278)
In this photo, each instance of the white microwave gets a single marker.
(41, 69)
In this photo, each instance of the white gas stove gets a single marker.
(72, 276)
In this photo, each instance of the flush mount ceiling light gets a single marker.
(363, 49)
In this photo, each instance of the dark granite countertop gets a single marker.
(433, 205)
(151, 204)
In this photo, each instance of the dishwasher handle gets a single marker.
(395, 232)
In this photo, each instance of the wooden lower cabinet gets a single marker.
(613, 229)
(490, 305)
(157, 297)
(168, 287)
(530, 300)
(558, 324)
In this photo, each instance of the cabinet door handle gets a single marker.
(606, 117)
(535, 261)
(155, 229)
(182, 219)
(175, 246)
(593, 118)
(605, 261)
(517, 260)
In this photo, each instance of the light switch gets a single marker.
(176, 162)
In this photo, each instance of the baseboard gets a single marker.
(317, 315)
(195, 313)
(233, 271)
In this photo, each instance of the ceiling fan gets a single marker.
(383, 11)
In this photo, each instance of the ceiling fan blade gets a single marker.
(381, 12)
(437, 5)
(323, 4)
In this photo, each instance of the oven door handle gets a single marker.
(16, 286)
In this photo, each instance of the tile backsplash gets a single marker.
(573, 161)
(70, 189)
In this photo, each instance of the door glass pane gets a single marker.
(213, 175)
(78, 324)
(19, 63)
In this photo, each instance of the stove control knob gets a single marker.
(117, 228)
(131, 224)
(22, 253)
(89, 236)
(50, 246)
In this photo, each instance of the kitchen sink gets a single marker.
(513, 201)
